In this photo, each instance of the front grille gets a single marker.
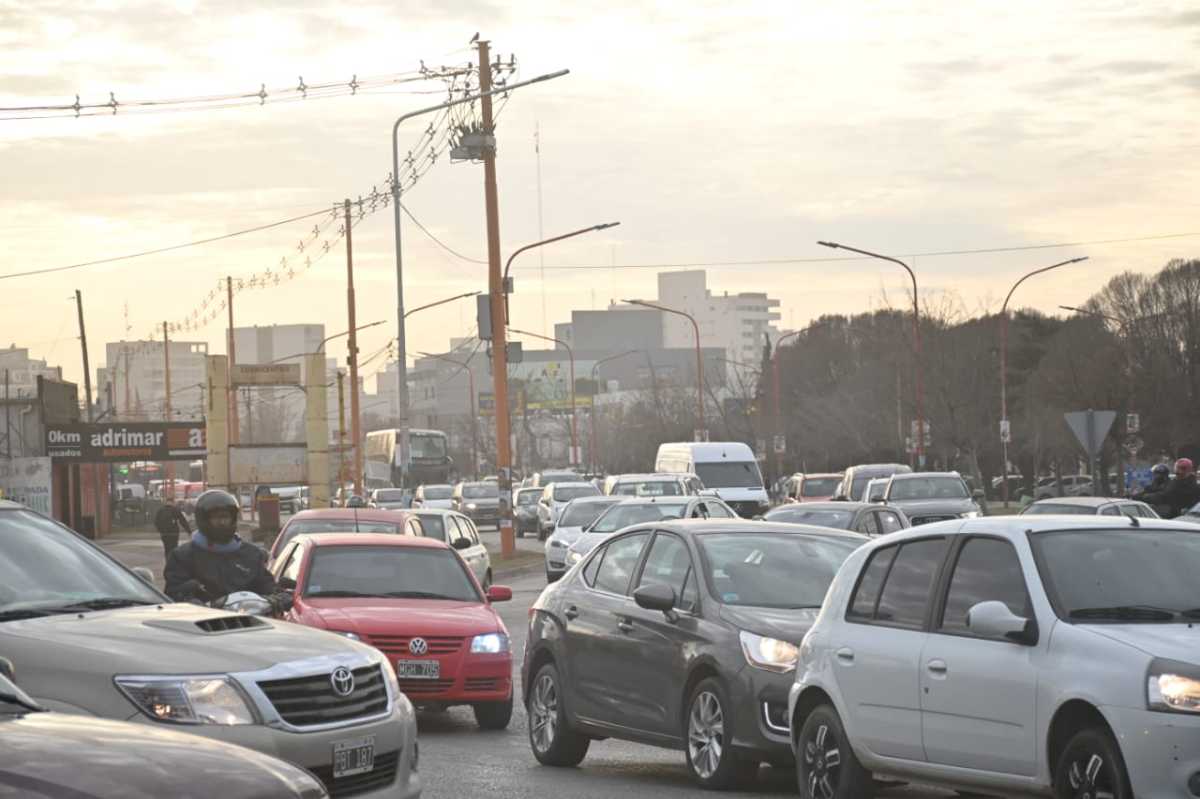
(482, 684)
(383, 775)
(225, 624)
(425, 688)
(397, 645)
(919, 520)
(307, 701)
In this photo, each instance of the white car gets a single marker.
(434, 497)
(555, 497)
(461, 533)
(1050, 655)
(653, 485)
(576, 518)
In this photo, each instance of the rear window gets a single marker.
(730, 475)
(313, 526)
(568, 493)
(389, 495)
(581, 514)
(528, 497)
(437, 492)
(819, 486)
(649, 488)
(435, 526)
(481, 491)
(620, 516)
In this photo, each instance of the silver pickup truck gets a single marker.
(88, 636)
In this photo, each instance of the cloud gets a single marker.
(1135, 67)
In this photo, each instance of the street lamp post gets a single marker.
(465, 365)
(592, 415)
(1005, 429)
(321, 347)
(543, 242)
(779, 427)
(701, 431)
(574, 459)
(412, 311)
(919, 382)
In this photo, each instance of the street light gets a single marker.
(592, 415)
(1006, 431)
(321, 347)
(465, 365)
(701, 432)
(574, 459)
(440, 302)
(919, 383)
(572, 234)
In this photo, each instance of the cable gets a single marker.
(438, 241)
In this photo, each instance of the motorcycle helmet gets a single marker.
(1184, 467)
(356, 502)
(217, 515)
(1161, 469)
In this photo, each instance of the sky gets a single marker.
(713, 132)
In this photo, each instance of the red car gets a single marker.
(345, 520)
(416, 601)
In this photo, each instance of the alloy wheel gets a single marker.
(706, 734)
(1091, 777)
(822, 760)
(543, 713)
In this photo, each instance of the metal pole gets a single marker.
(341, 379)
(7, 419)
(234, 426)
(91, 410)
(775, 396)
(167, 405)
(352, 345)
(700, 429)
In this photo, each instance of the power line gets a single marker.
(438, 241)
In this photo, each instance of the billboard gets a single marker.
(266, 374)
(126, 441)
(548, 383)
(27, 480)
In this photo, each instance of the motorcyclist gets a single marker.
(1180, 494)
(216, 562)
(1160, 478)
(355, 501)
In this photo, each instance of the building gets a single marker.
(19, 372)
(131, 386)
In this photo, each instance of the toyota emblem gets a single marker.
(342, 681)
(418, 646)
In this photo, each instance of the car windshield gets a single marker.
(859, 485)
(1059, 509)
(772, 570)
(389, 495)
(819, 486)
(581, 514)
(730, 475)
(44, 566)
(621, 516)
(427, 447)
(399, 571)
(307, 526)
(928, 488)
(434, 525)
(481, 491)
(528, 497)
(649, 488)
(822, 517)
(437, 492)
(1127, 575)
(568, 493)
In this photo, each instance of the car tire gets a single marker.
(822, 739)
(1092, 763)
(551, 738)
(493, 715)
(708, 739)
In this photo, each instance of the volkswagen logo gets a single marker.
(418, 646)
(342, 681)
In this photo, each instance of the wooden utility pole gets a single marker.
(341, 379)
(170, 495)
(98, 498)
(232, 398)
(352, 360)
(496, 296)
(7, 420)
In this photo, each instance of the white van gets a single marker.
(727, 467)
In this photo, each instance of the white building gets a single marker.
(132, 383)
(23, 372)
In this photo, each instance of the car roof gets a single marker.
(675, 499)
(371, 539)
(913, 475)
(851, 506)
(362, 514)
(1085, 502)
(866, 467)
(570, 484)
(702, 526)
(1013, 527)
(474, 483)
(819, 475)
(622, 478)
(433, 512)
(597, 499)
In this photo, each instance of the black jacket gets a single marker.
(1181, 494)
(194, 573)
(170, 519)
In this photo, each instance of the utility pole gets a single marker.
(496, 291)
(167, 405)
(352, 359)
(341, 380)
(7, 420)
(91, 410)
(125, 352)
(234, 427)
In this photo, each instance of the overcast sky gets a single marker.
(712, 131)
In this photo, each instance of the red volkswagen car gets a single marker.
(416, 601)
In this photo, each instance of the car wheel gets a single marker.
(1092, 766)
(826, 767)
(493, 715)
(553, 742)
(708, 728)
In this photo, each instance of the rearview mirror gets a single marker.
(655, 596)
(994, 620)
(145, 574)
(499, 593)
(461, 543)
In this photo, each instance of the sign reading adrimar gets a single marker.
(131, 441)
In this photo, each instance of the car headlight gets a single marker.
(471, 506)
(1173, 687)
(188, 700)
(489, 644)
(769, 654)
(971, 514)
(573, 558)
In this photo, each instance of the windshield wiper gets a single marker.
(417, 595)
(23, 613)
(1126, 613)
(13, 699)
(100, 603)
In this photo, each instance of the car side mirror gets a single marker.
(286, 584)
(656, 596)
(8, 671)
(461, 543)
(145, 574)
(993, 619)
(499, 593)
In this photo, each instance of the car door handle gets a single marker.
(625, 626)
(845, 655)
(937, 667)
(572, 612)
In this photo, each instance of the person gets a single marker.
(355, 501)
(1180, 494)
(169, 520)
(216, 562)
(1159, 480)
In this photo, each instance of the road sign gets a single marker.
(780, 445)
(1005, 432)
(265, 374)
(1133, 423)
(1090, 428)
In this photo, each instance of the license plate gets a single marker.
(418, 669)
(353, 757)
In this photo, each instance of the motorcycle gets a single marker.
(254, 604)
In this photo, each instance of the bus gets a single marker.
(428, 458)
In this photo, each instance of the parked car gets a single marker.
(854, 480)
(554, 498)
(927, 497)
(50, 755)
(525, 511)
(578, 514)
(641, 511)
(88, 636)
(1073, 485)
(709, 618)
(438, 495)
(414, 601)
(462, 535)
(345, 520)
(480, 501)
(653, 485)
(1007, 656)
(727, 468)
(391, 499)
(867, 518)
(817, 487)
(1090, 506)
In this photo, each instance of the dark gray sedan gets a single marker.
(682, 634)
(868, 518)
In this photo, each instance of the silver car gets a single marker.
(927, 497)
(1047, 655)
(576, 517)
(90, 637)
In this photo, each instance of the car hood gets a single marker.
(161, 639)
(370, 617)
(785, 624)
(916, 507)
(567, 535)
(53, 754)
(586, 542)
(1170, 641)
